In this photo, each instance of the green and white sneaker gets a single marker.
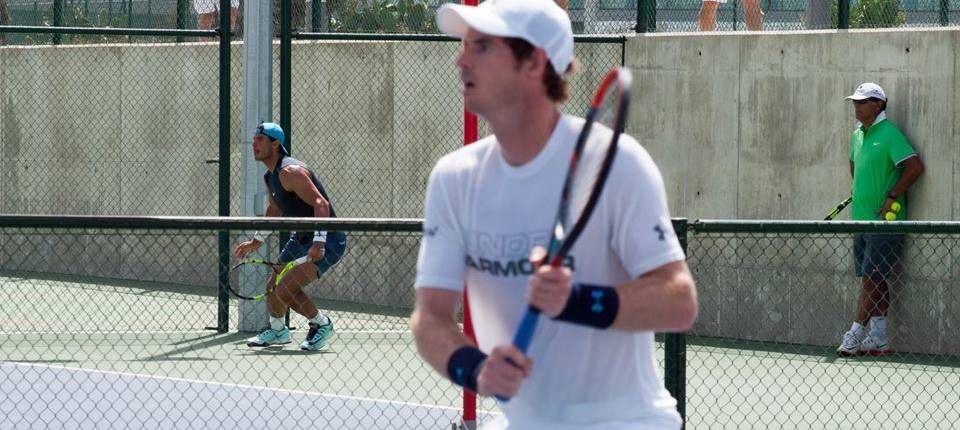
(875, 345)
(318, 336)
(270, 337)
(850, 345)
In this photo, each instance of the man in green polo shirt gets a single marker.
(883, 165)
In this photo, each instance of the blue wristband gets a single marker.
(464, 366)
(591, 305)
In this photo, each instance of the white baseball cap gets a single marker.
(868, 90)
(540, 22)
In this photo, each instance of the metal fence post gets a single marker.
(675, 344)
(181, 17)
(285, 72)
(57, 20)
(735, 4)
(286, 40)
(843, 14)
(944, 12)
(646, 16)
(223, 301)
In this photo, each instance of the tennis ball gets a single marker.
(890, 216)
(895, 207)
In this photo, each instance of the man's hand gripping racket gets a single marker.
(605, 118)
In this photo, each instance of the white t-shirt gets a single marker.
(482, 218)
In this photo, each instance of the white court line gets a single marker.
(231, 385)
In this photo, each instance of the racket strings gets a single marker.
(597, 146)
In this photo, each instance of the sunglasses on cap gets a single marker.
(260, 131)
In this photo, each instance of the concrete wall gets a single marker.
(109, 130)
(741, 125)
(754, 126)
(374, 117)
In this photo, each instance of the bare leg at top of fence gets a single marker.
(208, 15)
(751, 11)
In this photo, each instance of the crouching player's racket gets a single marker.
(585, 178)
(260, 271)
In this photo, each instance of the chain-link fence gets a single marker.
(775, 302)
(417, 16)
(120, 322)
(376, 114)
(134, 124)
(110, 324)
(110, 129)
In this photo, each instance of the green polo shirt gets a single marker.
(877, 154)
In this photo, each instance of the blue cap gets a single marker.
(273, 131)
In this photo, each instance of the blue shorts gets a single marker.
(299, 245)
(875, 255)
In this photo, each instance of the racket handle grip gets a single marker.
(524, 334)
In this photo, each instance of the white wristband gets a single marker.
(320, 236)
(260, 235)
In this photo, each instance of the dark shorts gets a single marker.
(299, 245)
(875, 255)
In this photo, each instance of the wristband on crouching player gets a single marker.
(260, 235)
(591, 305)
(320, 236)
(464, 366)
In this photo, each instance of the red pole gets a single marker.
(469, 397)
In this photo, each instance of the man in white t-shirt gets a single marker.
(489, 209)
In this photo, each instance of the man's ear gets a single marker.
(536, 65)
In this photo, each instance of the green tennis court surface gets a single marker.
(81, 353)
(66, 335)
(741, 384)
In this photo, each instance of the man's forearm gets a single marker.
(912, 169)
(436, 339)
(321, 209)
(905, 182)
(663, 300)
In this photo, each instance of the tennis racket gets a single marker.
(260, 271)
(838, 209)
(585, 178)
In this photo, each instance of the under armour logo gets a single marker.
(661, 234)
(597, 307)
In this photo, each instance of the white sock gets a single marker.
(276, 323)
(320, 319)
(878, 327)
(857, 329)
